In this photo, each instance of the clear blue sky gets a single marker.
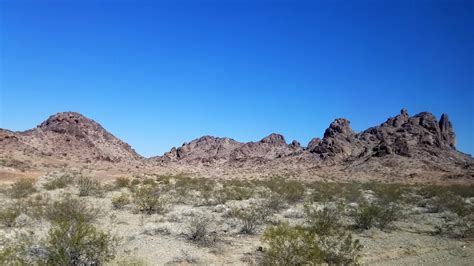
(157, 74)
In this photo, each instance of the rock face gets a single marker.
(70, 136)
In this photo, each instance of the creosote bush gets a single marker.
(198, 229)
(119, 201)
(68, 207)
(324, 221)
(147, 200)
(291, 190)
(296, 245)
(89, 187)
(8, 214)
(368, 215)
(122, 182)
(251, 218)
(59, 182)
(76, 242)
(22, 188)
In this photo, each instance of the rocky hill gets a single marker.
(69, 137)
(404, 147)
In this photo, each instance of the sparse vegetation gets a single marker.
(198, 229)
(89, 187)
(121, 200)
(59, 182)
(8, 215)
(295, 245)
(369, 214)
(76, 242)
(68, 208)
(147, 200)
(22, 188)
(324, 221)
(122, 182)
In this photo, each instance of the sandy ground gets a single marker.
(160, 239)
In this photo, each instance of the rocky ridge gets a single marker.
(402, 146)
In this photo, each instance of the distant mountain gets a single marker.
(402, 148)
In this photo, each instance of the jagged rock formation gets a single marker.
(402, 147)
(68, 136)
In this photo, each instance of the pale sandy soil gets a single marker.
(160, 239)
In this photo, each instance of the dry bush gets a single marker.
(8, 214)
(89, 187)
(198, 229)
(22, 188)
(291, 190)
(324, 221)
(250, 218)
(148, 200)
(119, 201)
(122, 182)
(59, 182)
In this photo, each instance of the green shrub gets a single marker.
(89, 187)
(148, 200)
(121, 200)
(69, 208)
(325, 221)
(122, 182)
(59, 182)
(76, 242)
(9, 214)
(251, 218)
(22, 188)
(291, 190)
(376, 214)
(294, 245)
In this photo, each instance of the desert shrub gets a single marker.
(8, 215)
(69, 208)
(22, 188)
(274, 202)
(368, 215)
(251, 218)
(233, 193)
(34, 207)
(135, 182)
(291, 190)
(76, 242)
(387, 193)
(295, 245)
(324, 221)
(198, 229)
(324, 192)
(448, 201)
(59, 182)
(149, 182)
(119, 201)
(89, 187)
(458, 227)
(122, 182)
(148, 200)
(17, 251)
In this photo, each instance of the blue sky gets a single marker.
(157, 74)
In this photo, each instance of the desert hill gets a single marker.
(404, 147)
